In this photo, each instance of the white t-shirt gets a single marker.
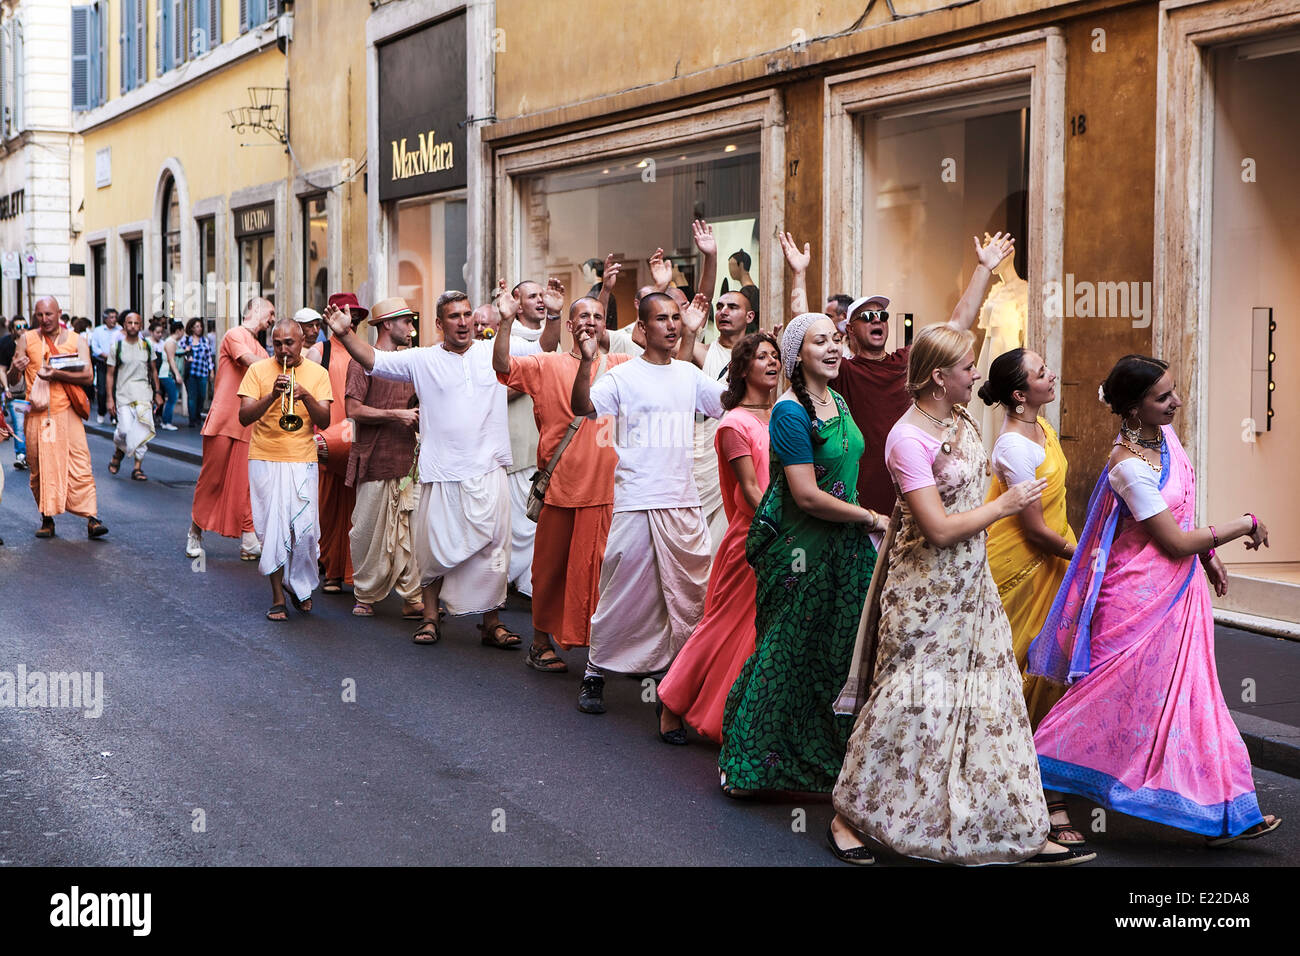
(620, 343)
(462, 409)
(1139, 487)
(653, 429)
(1017, 458)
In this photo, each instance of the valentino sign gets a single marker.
(422, 111)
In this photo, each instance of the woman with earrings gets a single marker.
(1029, 553)
(941, 762)
(812, 555)
(1143, 728)
(702, 673)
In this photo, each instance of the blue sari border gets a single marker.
(1159, 806)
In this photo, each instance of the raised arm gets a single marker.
(798, 262)
(968, 306)
(340, 323)
(661, 273)
(580, 396)
(707, 243)
(608, 279)
(507, 307)
(553, 299)
(690, 349)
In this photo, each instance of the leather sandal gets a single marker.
(499, 636)
(1056, 829)
(428, 633)
(538, 660)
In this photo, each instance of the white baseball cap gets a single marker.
(307, 315)
(876, 301)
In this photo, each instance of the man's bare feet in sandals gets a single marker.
(1062, 830)
(428, 633)
(278, 612)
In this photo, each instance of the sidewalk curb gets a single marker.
(156, 447)
(1272, 745)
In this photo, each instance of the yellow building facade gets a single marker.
(224, 163)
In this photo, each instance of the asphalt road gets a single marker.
(226, 739)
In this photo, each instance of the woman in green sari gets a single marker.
(812, 555)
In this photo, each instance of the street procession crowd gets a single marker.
(798, 535)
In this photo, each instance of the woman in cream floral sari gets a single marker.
(941, 763)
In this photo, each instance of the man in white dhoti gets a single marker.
(282, 477)
(462, 526)
(133, 393)
(536, 330)
(380, 466)
(656, 567)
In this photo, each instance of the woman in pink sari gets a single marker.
(1144, 728)
(697, 684)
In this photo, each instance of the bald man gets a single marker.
(57, 453)
(283, 477)
(221, 501)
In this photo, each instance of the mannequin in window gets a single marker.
(1004, 318)
(738, 269)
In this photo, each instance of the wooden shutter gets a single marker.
(141, 24)
(214, 22)
(100, 41)
(179, 35)
(243, 16)
(81, 66)
(124, 56)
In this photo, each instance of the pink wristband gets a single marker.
(1215, 535)
(1254, 522)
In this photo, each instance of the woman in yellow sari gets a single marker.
(1029, 552)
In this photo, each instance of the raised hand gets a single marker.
(506, 304)
(995, 250)
(704, 238)
(610, 275)
(661, 273)
(587, 344)
(339, 320)
(553, 296)
(693, 315)
(798, 260)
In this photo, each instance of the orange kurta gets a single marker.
(58, 458)
(569, 547)
(336, 500)
(221, 501)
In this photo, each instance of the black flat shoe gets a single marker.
(1070, 857)
(677, 737)
(858, 856)
(591, 695)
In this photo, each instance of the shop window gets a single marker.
(207, 228)
(934, 174)
(636, 203)
(98, 280)
(257, 265)
(135, 274)
(1254, 287)
(170, 236)
(431, 254)
(315, 252)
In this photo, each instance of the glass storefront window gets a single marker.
(99, 280)
(634, 204)
(257, 265)
(208, 266)
(135, 268)
(315, 253)
(171, 244)
(431, 256)
(934, 174)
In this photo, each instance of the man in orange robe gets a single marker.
(57, 454)
(333, 445)
(221, 501)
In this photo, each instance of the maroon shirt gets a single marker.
(876, 394)
(379, 452)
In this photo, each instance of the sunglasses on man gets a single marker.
(872, 315)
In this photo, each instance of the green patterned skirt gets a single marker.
(778, 730)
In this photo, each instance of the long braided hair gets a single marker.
(742, 358)
(800, 388)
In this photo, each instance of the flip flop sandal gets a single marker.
(248, 556)
(427, 634)
(362, 610)
(1251, 834)
(500, 637)
(277, 609)
(302, 606)
(333, 586)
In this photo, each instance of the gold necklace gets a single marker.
(1125, 443)
(819, 401)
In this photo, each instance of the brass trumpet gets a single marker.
(288, 420)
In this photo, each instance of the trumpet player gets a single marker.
(281, 398)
